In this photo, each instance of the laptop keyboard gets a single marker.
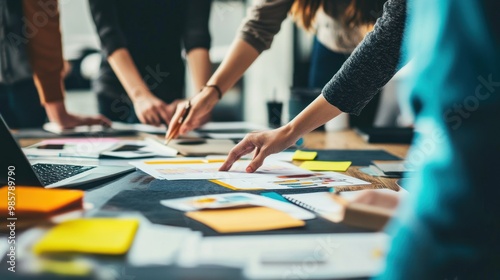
(53, 173)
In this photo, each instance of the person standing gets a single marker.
(31, 74)
(141, 77)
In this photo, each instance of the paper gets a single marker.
(207, 171)
(157, 244)
(298, 181)
(107, 236)
(98, 147)
(349, 256)
(356, 254)
(33, 201)
(245, 219)
(301, 155)
(340, 166)
(229, 200)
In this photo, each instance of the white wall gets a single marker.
(272, 70)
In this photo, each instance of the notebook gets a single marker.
(373, 217)
(37, 202)
(108, 236)
(319, 202)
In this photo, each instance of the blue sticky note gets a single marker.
(274, 195)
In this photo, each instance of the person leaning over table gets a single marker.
(256, 35)
(31, 74)
(449, 227)
(141, 77)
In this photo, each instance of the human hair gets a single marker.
(349, 12)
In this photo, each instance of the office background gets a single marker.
(272, 76)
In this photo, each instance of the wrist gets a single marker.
(291, 132)
(210, 94)
(56, 111)
(139, 93)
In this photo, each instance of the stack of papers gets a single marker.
(203, 169)
(279, 256)
(235, 200)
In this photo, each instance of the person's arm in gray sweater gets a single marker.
(372, 64)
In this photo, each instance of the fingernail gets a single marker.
(249, 169)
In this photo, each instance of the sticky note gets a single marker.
(275, 195)
(245, 219)
(301, 155)
(107, 236)
(340, 166)
(35, 202)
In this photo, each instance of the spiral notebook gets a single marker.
(319, 202)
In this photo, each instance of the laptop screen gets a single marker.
(13, 159)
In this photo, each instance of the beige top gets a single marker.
(264, 20)
(337, 36)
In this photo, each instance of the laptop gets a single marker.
(45, 173)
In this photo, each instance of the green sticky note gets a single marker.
(340, 166)
(301, 155)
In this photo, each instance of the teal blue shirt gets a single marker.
(450, 227)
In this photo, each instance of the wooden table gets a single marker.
(348, 139)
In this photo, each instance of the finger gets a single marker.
(258, 160)
(192, 119)
(172, 131)
(104, 121)
(243, 148)
(99, 119)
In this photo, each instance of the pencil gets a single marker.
(177, 126)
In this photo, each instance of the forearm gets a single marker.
(237, 61)
(126, 71)
(200, 66)
(316, 114)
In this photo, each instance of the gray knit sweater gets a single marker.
(372, 64)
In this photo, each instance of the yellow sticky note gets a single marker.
(340, 166)
(301, 155)
(245, 219)
(94, 236)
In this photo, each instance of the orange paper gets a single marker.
(245, 219)
(33, 201)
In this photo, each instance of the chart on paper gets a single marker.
(198, 171)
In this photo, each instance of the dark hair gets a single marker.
(351, 12)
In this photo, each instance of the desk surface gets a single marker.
(143, 184)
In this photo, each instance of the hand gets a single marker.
(264, 144)
(56, 111)
(151, 110)
(201, 108)
(381, 199)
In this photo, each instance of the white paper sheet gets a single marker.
(157, 244)
(210, 171)
(297, 181)
(342, 255)
(235, 199)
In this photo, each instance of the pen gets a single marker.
(177, 126)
